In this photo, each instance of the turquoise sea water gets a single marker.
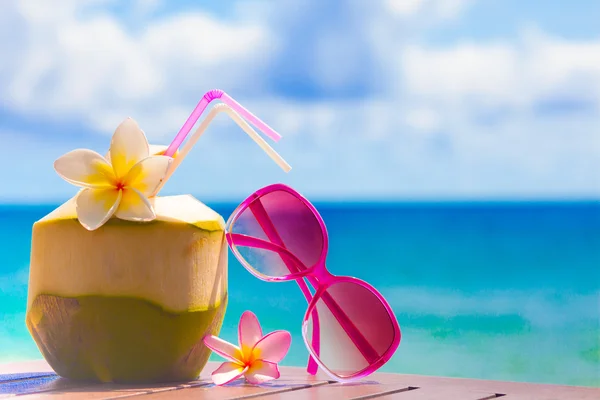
(506, 291)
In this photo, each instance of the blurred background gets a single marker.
(452, 147)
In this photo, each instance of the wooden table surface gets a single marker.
(36, 380)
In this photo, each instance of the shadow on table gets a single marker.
(278, 384)
(29, 383)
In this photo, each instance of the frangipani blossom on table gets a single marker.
(119, 187)
(255, 358)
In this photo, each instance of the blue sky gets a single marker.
(388, 100)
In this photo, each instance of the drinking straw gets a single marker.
(204, 125)
(225, 98)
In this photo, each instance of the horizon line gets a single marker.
(371, 201)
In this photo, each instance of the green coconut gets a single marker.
(130, 301)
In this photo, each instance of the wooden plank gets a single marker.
(538, 391)
(337, 391)
(43, 384)
(36, 386)
(235, 390)
(559, 395)
(382, 386)
(435, 393)
(36, 380)
(375, 385)
(75, 395)
(109, 391)
(292, 379)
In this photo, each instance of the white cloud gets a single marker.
(570, 68)
(422, 119)
(404, 7)
(451, 8)
(442, 9)
(94, 69)
(145, 7)
(478, 102)
(520, 116)
(504, 74)
(486, 72)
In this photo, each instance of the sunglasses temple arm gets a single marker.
(312, 366)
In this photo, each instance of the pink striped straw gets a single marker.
(204, 102)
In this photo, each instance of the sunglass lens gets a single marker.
(283, 219)
(349, 329)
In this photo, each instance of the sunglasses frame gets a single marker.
(319, 278)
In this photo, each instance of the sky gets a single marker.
(375, 100)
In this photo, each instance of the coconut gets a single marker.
(129, 301)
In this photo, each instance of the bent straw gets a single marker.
(225, 98)
(202, 128)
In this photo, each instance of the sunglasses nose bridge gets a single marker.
(322, 275)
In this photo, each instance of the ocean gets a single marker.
(507, 291)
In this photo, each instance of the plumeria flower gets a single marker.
(120, 185)
(256, 357)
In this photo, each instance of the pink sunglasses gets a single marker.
(349, 328)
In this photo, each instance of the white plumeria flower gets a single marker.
(118, 187)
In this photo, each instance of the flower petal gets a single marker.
(95, 206)
(146, 175)
(157, 149)
(127, 147)
(249, 333)
(153, 150)
(273, 347)
(262, 371)
(135, 206)
(227, 372)
(85, 168)
(223, 348)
